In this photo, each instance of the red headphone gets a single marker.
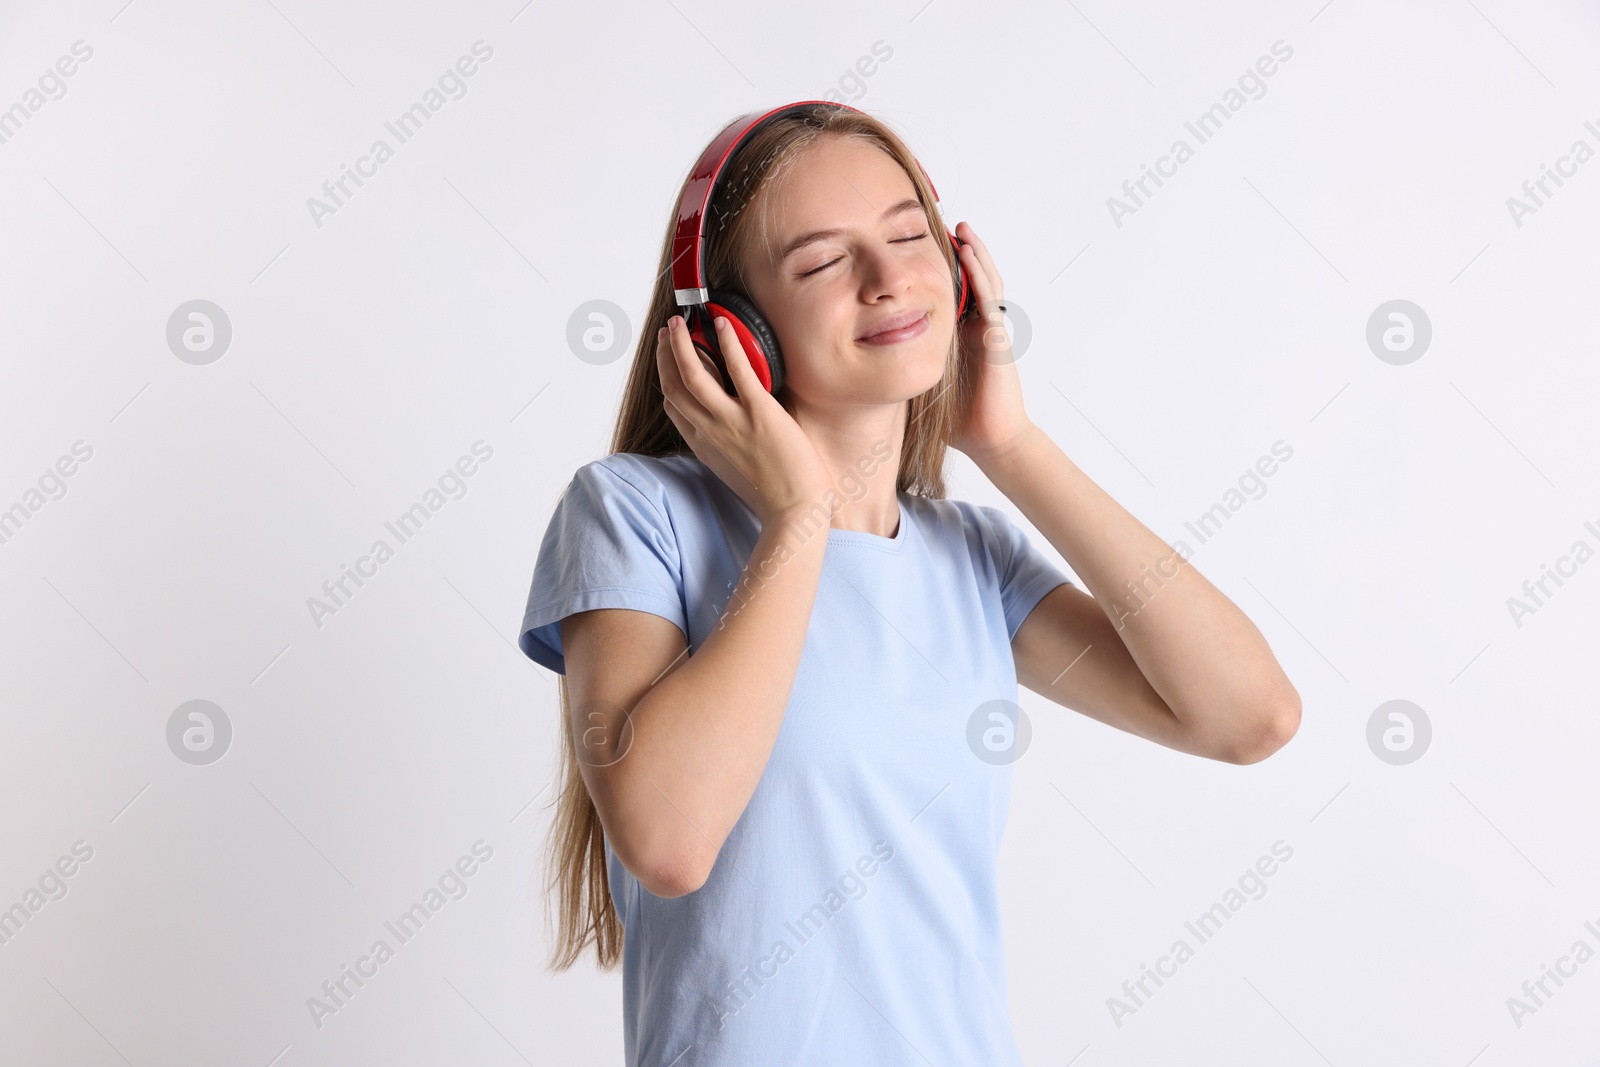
(698, 304)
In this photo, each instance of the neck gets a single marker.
(861, 449)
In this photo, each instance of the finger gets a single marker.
(666, 366)
(991, 316)
(982, 285)
(692, 434)
(672, 386)
(680, 422)
(740, 370)
(703, 388)
(702, 445)
(997, 284)
(676, 369)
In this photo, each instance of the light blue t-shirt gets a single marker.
(852, 915)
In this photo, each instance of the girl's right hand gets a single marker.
(749, 441)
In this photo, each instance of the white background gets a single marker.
(1168, 354)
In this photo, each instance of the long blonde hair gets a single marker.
(575, 850)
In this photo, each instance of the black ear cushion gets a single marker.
(746, 312)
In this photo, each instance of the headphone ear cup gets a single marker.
(965, 298)
(755, 337)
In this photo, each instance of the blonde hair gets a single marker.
(575, 850)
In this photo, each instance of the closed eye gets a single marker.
(831, 262)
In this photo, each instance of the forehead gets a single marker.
(835, 182)
(843, 174)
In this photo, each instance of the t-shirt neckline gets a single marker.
(858, 538)
(862, 538)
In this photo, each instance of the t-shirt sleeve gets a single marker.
(1026, 574)
(608, 545)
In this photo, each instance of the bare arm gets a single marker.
(702, 726)
(1169, 657)
(1206, 683)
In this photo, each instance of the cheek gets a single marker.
(939, 277)
(813, 316)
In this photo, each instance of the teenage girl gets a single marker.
(790, 664)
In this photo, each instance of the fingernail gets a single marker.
(722, 323)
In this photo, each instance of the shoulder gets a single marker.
(979, 520)
(989, 536)
(659, 480)
(675, 496)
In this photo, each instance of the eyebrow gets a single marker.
(908, 204)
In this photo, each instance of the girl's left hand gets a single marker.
(994, 419)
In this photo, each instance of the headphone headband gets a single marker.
(688, 240)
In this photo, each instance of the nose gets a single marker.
(885, 272)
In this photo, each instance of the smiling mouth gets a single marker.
(902, 333)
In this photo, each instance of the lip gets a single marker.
(897, 328)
